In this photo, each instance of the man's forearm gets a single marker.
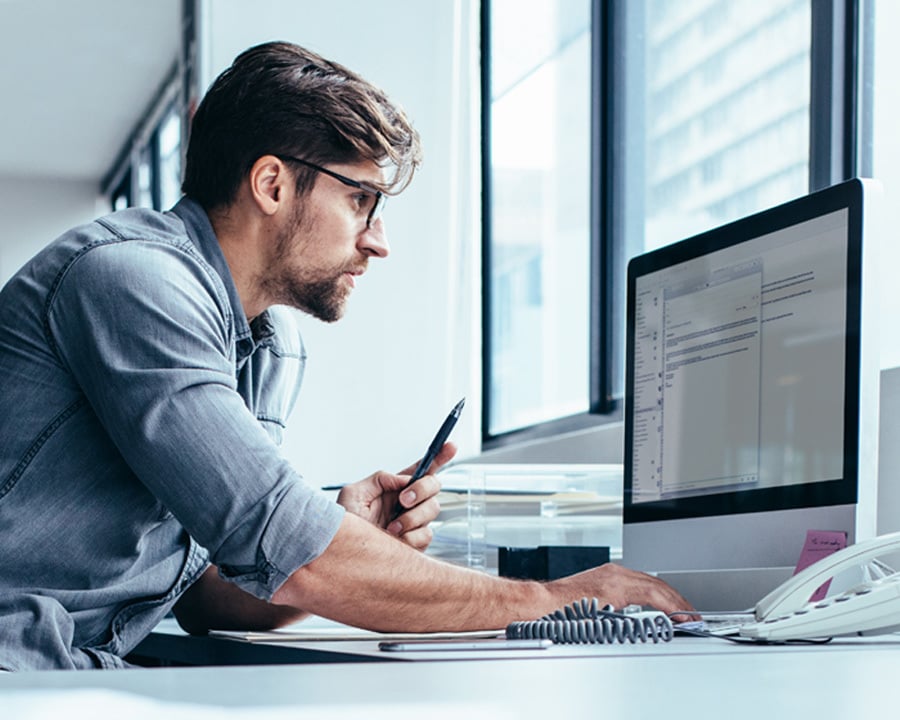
(369, 579)
(211, 603)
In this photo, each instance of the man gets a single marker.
(146, 372)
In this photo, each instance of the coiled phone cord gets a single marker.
(586, 622)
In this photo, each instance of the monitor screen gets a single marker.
(746, 390)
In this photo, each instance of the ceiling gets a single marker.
(76, 77)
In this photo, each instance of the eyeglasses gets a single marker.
(373, 194)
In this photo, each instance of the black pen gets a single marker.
(434, 448)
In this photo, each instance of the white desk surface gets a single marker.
(678, 647)
(688, 678)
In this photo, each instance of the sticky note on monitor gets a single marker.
(820, 544)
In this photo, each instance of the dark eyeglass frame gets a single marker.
(380, 197)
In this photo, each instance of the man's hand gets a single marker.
(375, 499)
(619, 587)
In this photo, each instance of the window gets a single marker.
(121, 194)
(540, 169)
(720, 126)
(148, 172)
(168, 149)
(616, 126)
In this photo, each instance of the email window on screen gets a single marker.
(739, 366)
(710, 397)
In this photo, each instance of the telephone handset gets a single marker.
(870, 608)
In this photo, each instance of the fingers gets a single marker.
(621, 587)
(420, 507)
(421, 490)
(418, 517)
(653, 592)
(668, 600)
(420, 538)
(445, 455)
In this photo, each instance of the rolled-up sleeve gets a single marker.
(158, 368)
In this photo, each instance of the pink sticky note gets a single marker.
(820, 544)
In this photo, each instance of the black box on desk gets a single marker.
(549, 562)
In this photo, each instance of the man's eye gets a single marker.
(364, 201)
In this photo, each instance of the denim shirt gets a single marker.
(140, 418)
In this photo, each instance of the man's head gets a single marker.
(280, 99)
(308, 149)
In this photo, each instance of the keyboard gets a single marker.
(725, 623)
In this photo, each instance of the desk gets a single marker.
(688, 678)
(168, 645)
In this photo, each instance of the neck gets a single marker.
(242, 238)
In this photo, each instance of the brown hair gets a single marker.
(281, 99)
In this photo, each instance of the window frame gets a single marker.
(144, 145)
(837, 151)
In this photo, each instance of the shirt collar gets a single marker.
(201, 233)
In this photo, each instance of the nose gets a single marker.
(373, 240)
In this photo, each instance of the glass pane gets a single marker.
(121, 196)
(719, 125)
(540, 201)
(145, 179)
(170, 159)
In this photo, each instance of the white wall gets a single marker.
(886, 167)
(380, 381)
(37, 210)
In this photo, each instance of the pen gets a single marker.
(434, 448)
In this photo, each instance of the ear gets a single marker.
(269, 182)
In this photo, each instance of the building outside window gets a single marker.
(701, 115)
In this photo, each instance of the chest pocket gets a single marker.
(269, 380)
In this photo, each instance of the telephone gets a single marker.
(870, 608)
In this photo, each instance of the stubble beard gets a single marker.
(319, 294)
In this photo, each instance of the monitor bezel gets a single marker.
(823, 493)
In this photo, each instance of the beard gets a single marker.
(321, 294)
(325, 299)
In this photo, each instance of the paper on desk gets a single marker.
(315, 632)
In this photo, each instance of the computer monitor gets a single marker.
(751, 402)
